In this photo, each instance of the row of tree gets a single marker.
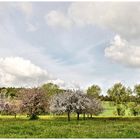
(35, 101)
(47, 97)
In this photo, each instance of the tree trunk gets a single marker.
(118, 111)
(90, 115)
(15, 115)
(78, 116)
(68, 116)
(84, 116)
(33, 117)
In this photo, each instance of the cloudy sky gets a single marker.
(73, 44)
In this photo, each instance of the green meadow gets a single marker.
(52, 127)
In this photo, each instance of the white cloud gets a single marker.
(16, 46)
(119, 17)
(16, 71)
(123, 52)
(57, 18)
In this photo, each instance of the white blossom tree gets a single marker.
(62, 103)
(74, 101)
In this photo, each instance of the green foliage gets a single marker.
(94, 91)
(134, 108)
(120, 110)
(119, 93)
(137, 92)
(51, 89)
(10, 92)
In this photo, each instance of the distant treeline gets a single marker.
(52, 89)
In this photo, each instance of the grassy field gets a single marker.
(52, 127)
(108, 109)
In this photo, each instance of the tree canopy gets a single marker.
(94, 91)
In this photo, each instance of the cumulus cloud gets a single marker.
(123, 52)
(20, 72)
(16, 71)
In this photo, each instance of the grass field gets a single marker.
(47, 126)
(52, 127)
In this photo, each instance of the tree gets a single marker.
(133, 108)
(8, 106)
(11, 108)
(95, 107)
(12, 92)
(137, 92)
(59, 104)
(51, 89)
(94, 91)
(3, 99)
(81, 103)
(119, 95)
(33, 102)
(72, 101)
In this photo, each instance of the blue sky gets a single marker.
(71, 44)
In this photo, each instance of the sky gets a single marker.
(72, 44)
